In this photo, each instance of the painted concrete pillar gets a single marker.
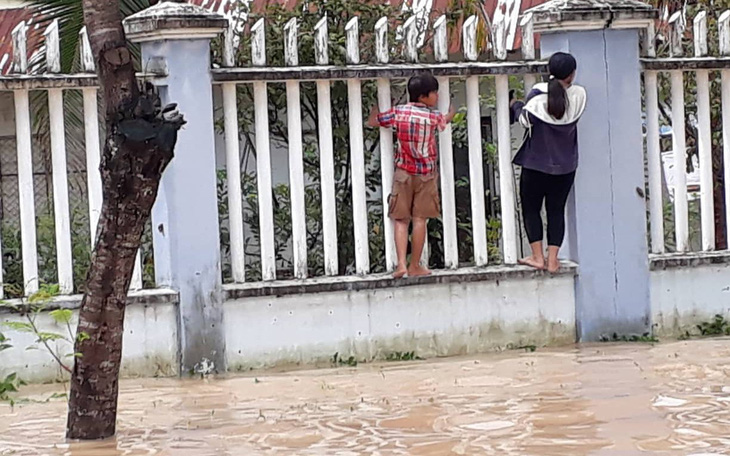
(175, 38)
(606, 230)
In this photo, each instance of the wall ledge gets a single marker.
(379, 281)
(143, 297)
(687, 260)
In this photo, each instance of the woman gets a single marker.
(549, 156)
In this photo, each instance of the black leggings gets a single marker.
(536, 187)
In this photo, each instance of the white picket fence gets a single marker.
(676, 67)
(355, 73)
(54, 83)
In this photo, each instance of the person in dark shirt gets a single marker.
(548, 156)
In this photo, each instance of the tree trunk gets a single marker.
(138, 147)
(718, 191)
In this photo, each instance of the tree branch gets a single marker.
(31, 321)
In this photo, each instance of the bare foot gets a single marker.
(553, 265)
(418, 271)
(399, 272)
(531, 261)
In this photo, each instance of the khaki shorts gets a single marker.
(414, 196)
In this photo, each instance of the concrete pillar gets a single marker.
(175, 38)
(606, 232)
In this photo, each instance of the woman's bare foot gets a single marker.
(418, 271)
(553, 265)
(531, 261)
(399, 272)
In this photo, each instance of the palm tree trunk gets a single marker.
(138, 147)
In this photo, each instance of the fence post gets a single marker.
(177, 36)
(608, 225)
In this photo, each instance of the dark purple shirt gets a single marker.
(548, 148)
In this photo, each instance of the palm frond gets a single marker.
(70, 15)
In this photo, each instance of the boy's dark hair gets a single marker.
(421, 85)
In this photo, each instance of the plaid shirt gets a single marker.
(415, 128)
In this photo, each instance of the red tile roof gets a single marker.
(9, 18)
(438, 7)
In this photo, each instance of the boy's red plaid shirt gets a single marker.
(415, 127)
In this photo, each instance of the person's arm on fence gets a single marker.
(449, 117)
(442, 120)
(515, 107)
(381, 119)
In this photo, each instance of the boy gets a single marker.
(415, 194)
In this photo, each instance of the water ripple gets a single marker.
(594, 400)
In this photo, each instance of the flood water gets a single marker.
(671, 398)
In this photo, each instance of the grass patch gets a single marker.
(646, 338)
(338, 361)
(718, 326)
(403, 356)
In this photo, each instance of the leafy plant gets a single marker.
(10, 384)
(46, 245)
(31, 308)
(716, 327)
(402, 356)
(46, 248)
(645, 338)
(4, 342)
(338, 361)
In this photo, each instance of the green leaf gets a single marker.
(62, 316)
(82, 336)
(8, 388)
(8, 305)
(19, 326)
(49, 336)
(10, 384)
(45, 294)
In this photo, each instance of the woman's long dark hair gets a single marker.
(561, 66)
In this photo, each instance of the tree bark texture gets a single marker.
(718, 191)
(138, 147)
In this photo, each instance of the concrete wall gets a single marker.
(450, 313)
(186, 240)
(446, 317)
(606, 232)
(687, 291)
(150, 341)
(288, 323)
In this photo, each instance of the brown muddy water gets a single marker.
(671, 398)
